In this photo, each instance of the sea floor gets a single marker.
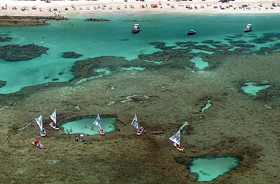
(114, 79)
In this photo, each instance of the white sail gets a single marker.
(135, 122)
(53, 116)
(176, 138)
(97, 122)
(39, 122)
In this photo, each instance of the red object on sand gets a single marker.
(36, 140)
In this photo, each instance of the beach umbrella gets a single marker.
(35, 140)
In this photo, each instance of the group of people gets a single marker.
(79, 137)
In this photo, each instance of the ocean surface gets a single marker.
(114, 38)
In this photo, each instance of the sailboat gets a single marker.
(53, 123)
(40, 124)
(176, 139)
(135, 124)
(97, 123)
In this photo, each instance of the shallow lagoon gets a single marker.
(86, 126)
(114, 38)
(209, 168)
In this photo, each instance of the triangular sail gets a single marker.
(53, 116)
(39, 122)
(97, 122)
(135, 122)
(176, 138)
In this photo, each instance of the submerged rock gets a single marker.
(19, 53)
(71, 55)
(2, 83)
(5, 37)
(94, 19)
(27, 20)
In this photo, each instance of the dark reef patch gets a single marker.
(87, 68)
(19, 53)
(27, 20)
(71, 55)
(94, 19)
(161, 45)
(2, 83)
(135, 20)
(4, 37)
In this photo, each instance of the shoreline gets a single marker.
(20, 8)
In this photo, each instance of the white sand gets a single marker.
(204, 7)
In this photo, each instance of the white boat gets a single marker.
(135, 124)
(136, 28)
(97, 123)
(191, 32)
(176, 139)
(53, 123)
(248, 28)
(40, 124)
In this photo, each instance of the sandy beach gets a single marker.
(40, 8)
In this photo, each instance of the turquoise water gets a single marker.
(208, 169)
(114, 38)
(84, 126)
(253, 89)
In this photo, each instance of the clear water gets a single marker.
(251, 88)
(199, 63)
(85, 126)
(211, 168)
(114, 38)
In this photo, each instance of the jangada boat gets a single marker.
(176, 139)
(97, 123)
(191, 32)
(40, 124)
(53, 123)
(135, 124)
(248, 28)
(37, 144)
(136, 28)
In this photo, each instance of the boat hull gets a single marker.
(102, 132)
(40, 147)
(191, 33)
(56, 128)
(247, 30)
(135, 31)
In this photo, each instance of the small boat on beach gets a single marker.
(136, 28)
(248, 28)
(53, 123)
(191, 32)
(97, 123)
(176, 139)
(40, 124)
(135, 124)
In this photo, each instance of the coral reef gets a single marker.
(2, 83)
(5, 37)
(27, 20)
(19, 53)
(94, 19)
(71, 55)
